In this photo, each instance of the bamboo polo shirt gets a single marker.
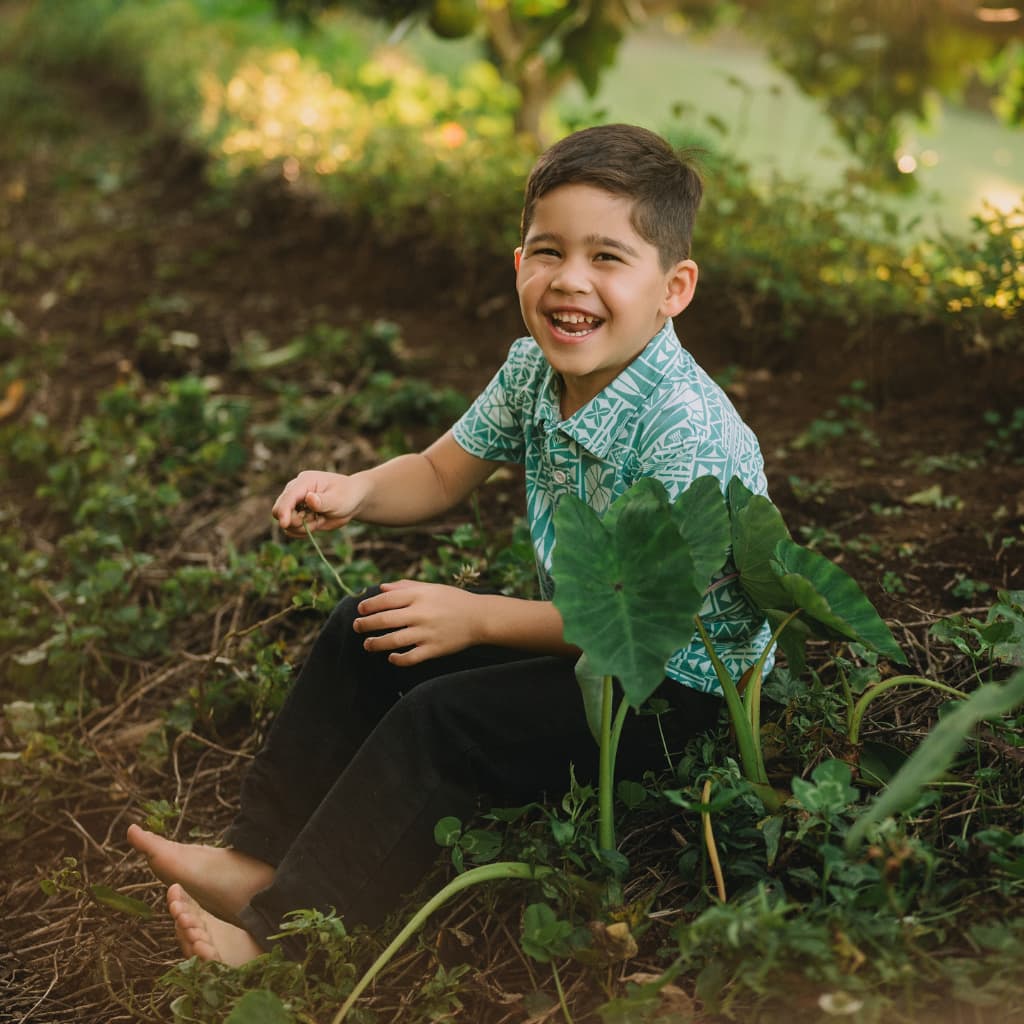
(664, 417)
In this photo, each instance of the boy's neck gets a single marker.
(570, 400)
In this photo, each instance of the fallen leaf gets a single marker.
(12, 399)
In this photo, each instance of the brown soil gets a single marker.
(272, 262)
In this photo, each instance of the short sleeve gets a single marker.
(494, 426)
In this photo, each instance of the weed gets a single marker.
(846, 421)
(934, 497)
(892, 583)
(967, 589)
(1007, 439)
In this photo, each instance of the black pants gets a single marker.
(365, 757)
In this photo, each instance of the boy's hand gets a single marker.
(321, 501)
(431, 619)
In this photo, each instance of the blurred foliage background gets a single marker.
(420, 120)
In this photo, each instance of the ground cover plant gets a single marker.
(171, 349)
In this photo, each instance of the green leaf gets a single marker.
(829, 792)
(480, 845)
(937, 750)
(703, 521)
(757, 526)
(647, 493)
(591, 686)
(115, 900)
(771, 829)
(590, 49)
(630, 793)
(259, 1006)
(447, 831)
(626, 594)
(544, 935)
(831, 598)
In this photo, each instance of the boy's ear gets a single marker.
(518, 256)
(680, 284)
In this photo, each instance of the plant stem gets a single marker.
(484, 873)
(561, 994)
(709, 842)
(755, 684)
(879, 688)
(752, 767)
(844, 682)
(344, 589)
(606, 772)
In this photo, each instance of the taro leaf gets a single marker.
(591, 686)
(937, 750)
(260, 1006)
(829, 597)
(115, 900)
(626, 595)
(645, 493)
(738, 495)
(757, 526)
(703, 522)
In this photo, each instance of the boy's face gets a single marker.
(592, 291)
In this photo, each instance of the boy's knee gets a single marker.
(345, 611)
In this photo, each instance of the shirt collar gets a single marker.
(595, 426)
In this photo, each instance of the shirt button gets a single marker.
(559, 476)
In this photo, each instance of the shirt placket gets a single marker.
(565, 465)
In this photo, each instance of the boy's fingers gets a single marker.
(396, 640)
(384, 601)
(404, 659)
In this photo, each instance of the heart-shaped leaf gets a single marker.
(703, 521)
(757, 526)
(626, 594)
(829, 597)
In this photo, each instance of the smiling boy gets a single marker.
(420, 700)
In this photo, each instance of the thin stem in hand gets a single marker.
(344, 589)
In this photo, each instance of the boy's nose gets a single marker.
(570, 278)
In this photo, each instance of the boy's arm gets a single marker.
(407, 489)
(428, 620)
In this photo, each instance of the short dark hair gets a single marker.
(630, 161)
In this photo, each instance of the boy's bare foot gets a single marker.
(222, 881)
(205, 936)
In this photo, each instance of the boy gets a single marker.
(419, 698)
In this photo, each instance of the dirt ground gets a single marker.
(908, 493)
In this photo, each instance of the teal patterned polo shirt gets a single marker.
(664, 417)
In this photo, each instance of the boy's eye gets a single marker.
(607, 256)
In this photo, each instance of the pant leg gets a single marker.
(509, 731)
(337, 699)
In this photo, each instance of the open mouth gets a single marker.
(577, 325)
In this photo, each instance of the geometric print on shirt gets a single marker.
(662, 417)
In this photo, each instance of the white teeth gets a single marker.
(574, 318)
